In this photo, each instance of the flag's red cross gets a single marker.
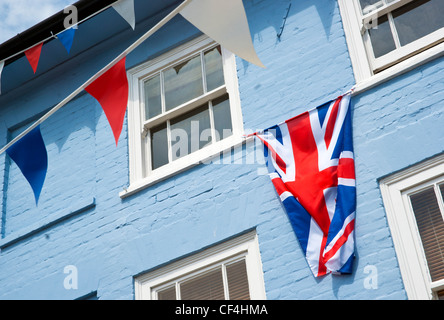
(310, 183)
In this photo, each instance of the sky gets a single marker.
(18, 15)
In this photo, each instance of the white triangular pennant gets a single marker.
(126, 9)
(226, 23)
(2, 64)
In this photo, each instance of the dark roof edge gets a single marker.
(47, 27)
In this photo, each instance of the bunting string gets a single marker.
(132, 47)
(124, 7)
(110, 87)
(57, 34)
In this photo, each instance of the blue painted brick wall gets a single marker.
(110, 240)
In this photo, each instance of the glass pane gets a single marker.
(183, 82)
(159, 146)
(222, 117)
(370, 5)
(431, 229)
(441, 295)
(167, 294)
(214, 69)
(205, 287)
(418, 18)
(190, 132)
(238, 281)
(153, 106)
(381, 38)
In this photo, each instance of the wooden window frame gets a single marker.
(395, 191)
(140, 174)
(196, 274)
(369, 71)
(245, 247)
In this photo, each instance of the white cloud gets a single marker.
(18, 15)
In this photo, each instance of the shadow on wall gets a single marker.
(275, 15)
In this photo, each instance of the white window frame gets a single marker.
(140, 176)
(394, 63)
(246, 246)
(395, 191)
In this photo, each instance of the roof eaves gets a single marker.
(48, 27)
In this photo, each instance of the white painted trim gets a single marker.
(203, 156)
(401, 220)
(393, 64)
(245, 245)
(357, 50)
(410, 49)
(386, 8)
(140, 175)
(400, 68)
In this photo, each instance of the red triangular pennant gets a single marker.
(111, 91)
(33, 55)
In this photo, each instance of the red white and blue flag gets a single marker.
(311, 164)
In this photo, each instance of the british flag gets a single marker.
(311, 164)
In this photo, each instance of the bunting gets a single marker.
(33, 56)
(67, 38)
(111, 91)
(224, 21)
(30, 155)
(126, 9)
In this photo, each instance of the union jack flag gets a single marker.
(311, 164)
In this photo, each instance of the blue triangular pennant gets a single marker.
(29, 153)
(66, 38)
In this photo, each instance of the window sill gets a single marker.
(400, 68)
(203, 156)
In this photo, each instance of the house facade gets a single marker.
(161, 216)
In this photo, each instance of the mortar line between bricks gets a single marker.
(24, 234)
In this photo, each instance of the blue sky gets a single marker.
(18, 15)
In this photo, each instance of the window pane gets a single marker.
(205, 287)
(238, 281)
(213, 68)
(153, 106)
(167, 294)
(190, 132)
(222, 117)
(159, 146)
(418, 18)
(431, 229)
(381, 38)
(183, 82)
(441, 295)
(370, 5)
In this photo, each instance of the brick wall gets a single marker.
(110, 240)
